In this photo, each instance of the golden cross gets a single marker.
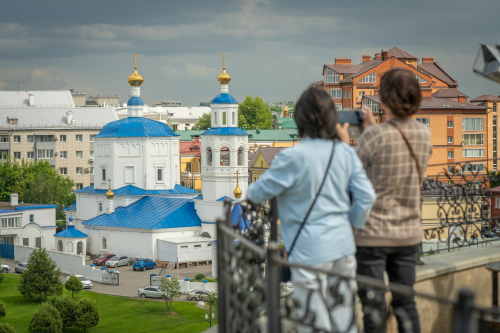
(109, 180)
(237, 173)
(135, 59)
(223, 60)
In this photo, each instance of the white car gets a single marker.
(150, 291)
(5, 268)
(118, 261)
(86, 282)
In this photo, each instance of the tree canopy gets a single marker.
(36, 182)
(205, 121)
(172, 289)
(88, 314)
(46, 319)
(256, 112)
(68, 309)
(74, 285)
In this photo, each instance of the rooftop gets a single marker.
(71, 232)
(436, 103)
(135, 127)
(5, 205)
(42, 99)
(286, 134)
(133, 190)
(449, 93)
(484, 98)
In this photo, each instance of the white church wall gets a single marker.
(67, 263)
(88, 204)
(209, 211)
(132, 243)
(32, 231)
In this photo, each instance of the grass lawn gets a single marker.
(118, 314)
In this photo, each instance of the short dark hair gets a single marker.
(315, 115)
(400, 92)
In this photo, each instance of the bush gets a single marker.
(199, 277)
(87, 314)
(41, 278)
(2, 309)
(6, 328)
(68, 309)
(46, 319)
(74, 285)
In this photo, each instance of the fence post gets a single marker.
(463, 313)
(222, 287)
(274, 217)
(273, 288)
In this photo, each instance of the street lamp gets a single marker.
(201, 305)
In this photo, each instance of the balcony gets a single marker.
(454, 291)
(45, 145)
(4, 145)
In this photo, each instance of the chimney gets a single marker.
(343, 61)
(378, 56)
(69, 117)
(366, 57)
(462, 99)
(385, 55)
(427, 59)
(14, 199)
(426, 92)
(31, 100)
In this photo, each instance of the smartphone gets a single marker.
(355, 120)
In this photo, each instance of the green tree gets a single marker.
(46, 319)
(2, 309)
(199, 277)
(68, 309)
(256, 113)
(74, 285)
(41, 278)
(6, 328)
(205, 121)
(171, 289)
(87, 314)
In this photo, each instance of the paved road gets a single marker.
(131, 281)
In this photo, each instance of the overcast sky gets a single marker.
(274, 49)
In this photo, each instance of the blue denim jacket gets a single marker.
(294, 178)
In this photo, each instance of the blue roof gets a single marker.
(133, 190)
(151, 213)
(224, 131)
(200, 197)
(35, 207)
(223, 198)
(73, 205)
(133, 101)
(70, 231)
(7, 211)
(224, 99)
(238, 217)
(135, 127)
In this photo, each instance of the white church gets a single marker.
(137, 207)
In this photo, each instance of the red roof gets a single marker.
(189, 146)
(494, 189)
(436, 70)
(448, 93)
(484, 98)
(396, 52)
(436, 103)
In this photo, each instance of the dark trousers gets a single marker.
(399, 262)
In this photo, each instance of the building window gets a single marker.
(63, 171)
(188, 167)
(79, 170)
(361, 94)
(26, 242)
(31, 138)
(473, 139)
(241, 154)
(209, 156)
(370, 78)
(473, 152)
(100, 207)
(45, 138)
(17, 155)
(32, 218)
(103, 174)
(79, 138)
(91, 170)
(451, 170)
(91, 138)
(338, 107)
(62, 138)
(13, 121)
(494, 107)
(424, 121)
(332, 76)
(17, 139)
(335, 93)
(450, 139)
(472, 124)
(79, 154)
(38, 242)
(497, 202)
(450, 123)
(223, 118)
(104, 244)
(225, 159)
(59, 246)
(159, 175)
(45, 153)
(91, 154)
(371, 104)
(31, 155)
(420, 79)
(473, 167)
(450, 155)
(63, 154)
(79, 186)
(4, 138)
(197, 246)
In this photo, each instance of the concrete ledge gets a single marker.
(446, 263)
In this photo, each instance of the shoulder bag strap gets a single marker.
(410, 149)
(312, 205)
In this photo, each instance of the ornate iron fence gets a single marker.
(250, 270)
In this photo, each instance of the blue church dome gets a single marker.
(224, 99)
(135, 127)
(133, 101)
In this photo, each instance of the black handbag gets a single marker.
(286, 274)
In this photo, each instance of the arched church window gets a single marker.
(209, 156)
(215, 115)
(59, 246)
(79, 248)
(234, 118)
(223, 118)
(69, 247)
(241, 153)
(225, 156)
(494, 107)
(104, 244)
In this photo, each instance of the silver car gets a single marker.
(21, 267)
(150, 291)
(118, 261)
(5, 268)
(85, 282)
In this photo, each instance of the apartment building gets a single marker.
(61, 136)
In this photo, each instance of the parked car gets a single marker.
(118, 261)
(86, 282)
(143, 264)
(198, 295)
(150, 291)
(21, 267)
(5, 268)
(101, 260)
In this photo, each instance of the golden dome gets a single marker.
(224, 78)
(110, 194)
(135, 79)
(237, 191)
(285, 111)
